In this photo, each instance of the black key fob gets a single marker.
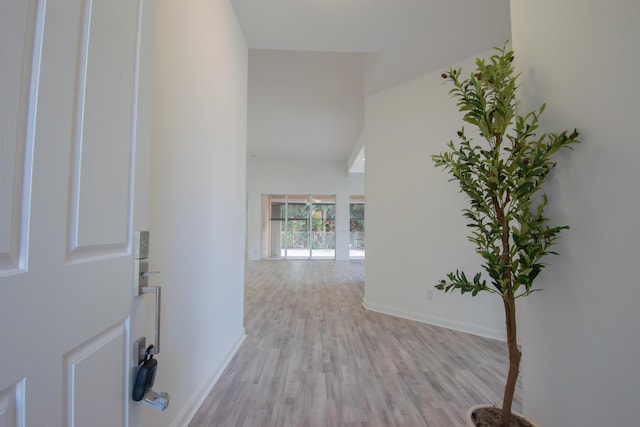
(145, 377)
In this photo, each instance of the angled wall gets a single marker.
(415, 230)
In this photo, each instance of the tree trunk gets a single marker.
(514, 358)
(509, 302)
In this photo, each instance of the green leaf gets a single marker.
(501, 174)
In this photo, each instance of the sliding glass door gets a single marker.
(299, 226)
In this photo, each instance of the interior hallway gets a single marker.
(314, 356)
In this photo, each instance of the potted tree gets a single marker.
(502, 177)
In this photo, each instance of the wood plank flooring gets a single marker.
(315, 357)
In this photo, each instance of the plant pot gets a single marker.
(523, 421)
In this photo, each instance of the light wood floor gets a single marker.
(315, 357)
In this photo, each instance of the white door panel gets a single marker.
(102, 127)
(69, 149)
(102, 406)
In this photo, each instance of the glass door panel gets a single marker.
(277, 226)
(298, 227)
(356, 227)
(323, 227)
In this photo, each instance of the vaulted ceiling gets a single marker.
(312, 63)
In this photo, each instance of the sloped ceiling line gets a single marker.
(311, 64)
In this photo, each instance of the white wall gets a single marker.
(581, 336)
(282, 176)
(415, 230)
(197, 204)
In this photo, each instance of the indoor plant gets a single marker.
(502, 177)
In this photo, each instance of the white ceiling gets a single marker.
(304, 104)
(311, 63)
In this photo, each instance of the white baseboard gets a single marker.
(193, 404)
(456, 325)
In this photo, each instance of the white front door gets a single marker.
(73, 134)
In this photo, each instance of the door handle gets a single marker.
(155, 290)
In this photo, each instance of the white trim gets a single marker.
(12, 405)
(190, 409)
(456, 325)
